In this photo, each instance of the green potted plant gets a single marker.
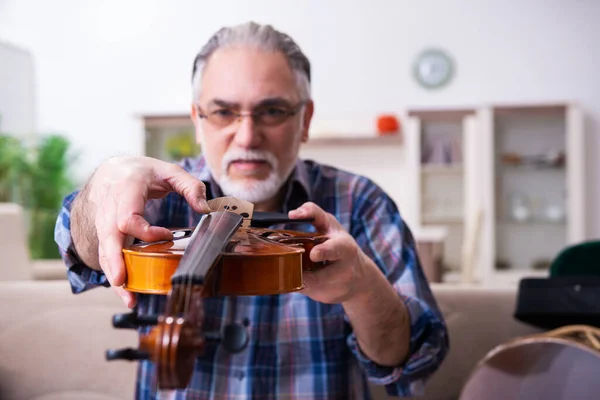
(37, 177)
(13, 169)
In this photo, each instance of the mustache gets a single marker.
(248, 155)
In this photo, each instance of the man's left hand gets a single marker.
(377, 314)
(349, 269)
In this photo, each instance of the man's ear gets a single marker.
(309, 110)
(194, 114)
(196, 121)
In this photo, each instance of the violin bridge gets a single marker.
(234, 205)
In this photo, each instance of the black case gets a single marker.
(558, 301)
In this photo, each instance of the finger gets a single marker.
(136, 226)
(310, 279)
(321, 220)
(334, 249)
(128, 297)
(111, 257)
(105, 228)
(184, 183)
(130, 208)
(327, 276)
(111, 241)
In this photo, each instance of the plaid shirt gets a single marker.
(298, 348)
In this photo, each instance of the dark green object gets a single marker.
(579, 259)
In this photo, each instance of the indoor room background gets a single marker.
(99, 73)
(481, 120)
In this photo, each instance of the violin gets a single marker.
(229, 253)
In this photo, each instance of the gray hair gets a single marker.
(264, 37)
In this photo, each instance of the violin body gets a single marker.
(258, 261)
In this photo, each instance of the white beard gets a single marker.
(257, 190)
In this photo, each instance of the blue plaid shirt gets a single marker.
(298, 348)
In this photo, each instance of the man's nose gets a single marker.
(247, 134)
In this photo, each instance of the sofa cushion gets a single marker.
(53, 342)
(15, 265)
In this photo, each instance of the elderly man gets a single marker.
(368, 315)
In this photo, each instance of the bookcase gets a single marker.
(534, 187)
(439, 144)
(508, 183)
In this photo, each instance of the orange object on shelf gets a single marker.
(387, 124)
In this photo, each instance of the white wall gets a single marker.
(17, 91)
(100, 63)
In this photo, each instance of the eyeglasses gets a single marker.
(268, 115)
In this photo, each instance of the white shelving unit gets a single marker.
(506, 181)
(438, 143)
(534, 193)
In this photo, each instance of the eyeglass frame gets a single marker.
(239, 115)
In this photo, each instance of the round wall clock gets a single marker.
(433, 68)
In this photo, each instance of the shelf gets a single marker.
(531, 167)
(533, 221)
(530, 109)
(450, 114)
(511, 154)
(167, 121)
(367, 140)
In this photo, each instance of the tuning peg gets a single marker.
(132, 320)
(234, 337)
(126, 354)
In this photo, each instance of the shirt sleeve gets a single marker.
(80, 276)
(383, 235)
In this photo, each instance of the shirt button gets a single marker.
(241, 375)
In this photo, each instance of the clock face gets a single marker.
(433, 69)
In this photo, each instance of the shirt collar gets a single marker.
(297, 187)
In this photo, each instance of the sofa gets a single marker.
(53, 343)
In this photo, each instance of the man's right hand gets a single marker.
(111, 207)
